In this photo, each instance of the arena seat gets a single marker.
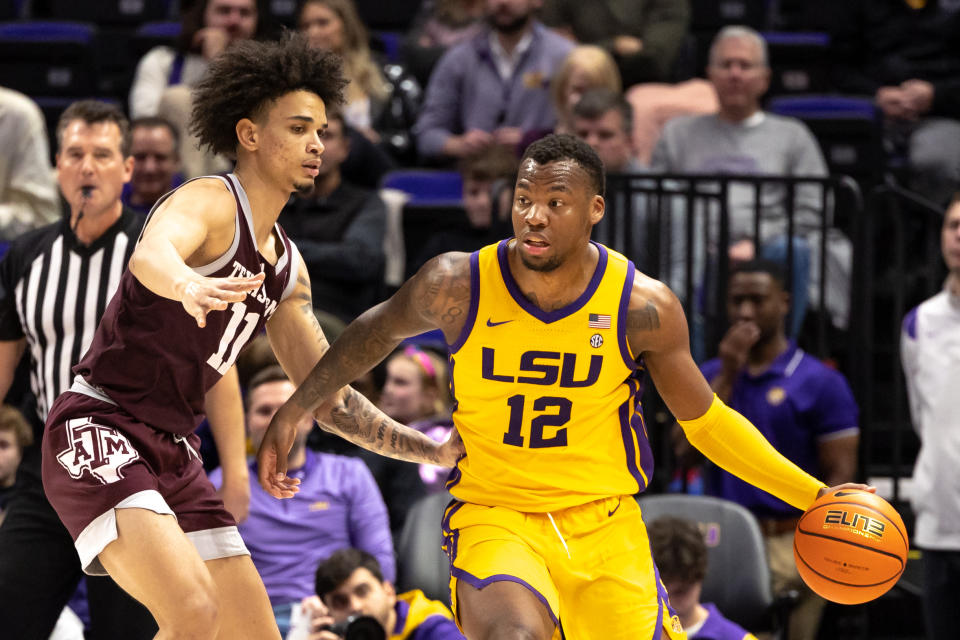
(848, 129)
(798, 62)
(738, 576)
(111, 12)
(421, 564)
(426, 186)
(48, 57)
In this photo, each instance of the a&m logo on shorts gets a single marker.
(101, 450)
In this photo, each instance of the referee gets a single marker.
(55, 283)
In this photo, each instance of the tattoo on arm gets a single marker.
(646, 319)
(356, 419)
(445, 295)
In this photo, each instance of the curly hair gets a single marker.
(554, 148)
(249, 76)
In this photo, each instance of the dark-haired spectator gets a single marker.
(339, 230)
(55, 283)
(644, 36)
(28, 195)
(906, 54)
(680, 553)
(351, 583)
(604, 119)
(929, 344)
(208, 27)
(494, 88)
(803, 408)
(154, 145)
(338, 506)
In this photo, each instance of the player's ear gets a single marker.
(597, 208)
(248, 134)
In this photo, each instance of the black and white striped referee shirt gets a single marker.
(53, 291)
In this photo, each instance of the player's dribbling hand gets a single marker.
(451, 450)
(272, 456)
(201, 296)
(846, 485)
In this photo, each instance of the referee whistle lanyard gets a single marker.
(559, 535)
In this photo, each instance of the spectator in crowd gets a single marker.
(381, 101)
(586, 67)
(439, 25)
(55, 283)
(644, 36)
(929, 345)
(680, 553)
(208, 27)
(603, 119)
(339, 230)
(488, 178)
(338, 506)
(805, 409)
(165, 77)
(15, 436)
(28, 194)
(493, 89)
(350, 582)
(907, 56)
(156, 162)
(742, 138)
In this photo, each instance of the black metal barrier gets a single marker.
(902, 259)
(679, 228)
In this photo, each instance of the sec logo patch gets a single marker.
(596, 341)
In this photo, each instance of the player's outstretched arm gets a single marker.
(420, 305)
(193, 227)
(657, 328)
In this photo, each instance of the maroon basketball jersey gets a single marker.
(150, 357)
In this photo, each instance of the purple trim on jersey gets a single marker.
(910, 323)
(474, 304)
(661, 599)
(451, 537)
(626, 429)
(556, 314)
(403, 610)
(622, 318)
(477, 583)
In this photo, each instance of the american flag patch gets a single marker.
(598, 321)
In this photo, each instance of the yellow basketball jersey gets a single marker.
(547, 403)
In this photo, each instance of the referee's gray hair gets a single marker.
(740, 31)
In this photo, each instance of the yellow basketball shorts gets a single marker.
(590, 565)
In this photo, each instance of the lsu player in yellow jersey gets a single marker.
(545, 331)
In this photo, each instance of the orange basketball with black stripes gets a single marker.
(850, 546)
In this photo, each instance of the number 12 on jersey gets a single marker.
(558, 418)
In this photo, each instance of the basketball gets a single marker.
(850, 546)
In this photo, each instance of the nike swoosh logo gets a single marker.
(610, 513)
(490, 323)
(841, 494)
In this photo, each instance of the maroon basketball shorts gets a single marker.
(97, 458)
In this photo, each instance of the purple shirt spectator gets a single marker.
(338, 506)
(467, 92)
(795, 403)
(716, 627)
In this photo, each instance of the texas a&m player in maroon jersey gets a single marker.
(211, 269)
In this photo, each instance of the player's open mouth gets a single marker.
(536, 246)
(313, 168)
